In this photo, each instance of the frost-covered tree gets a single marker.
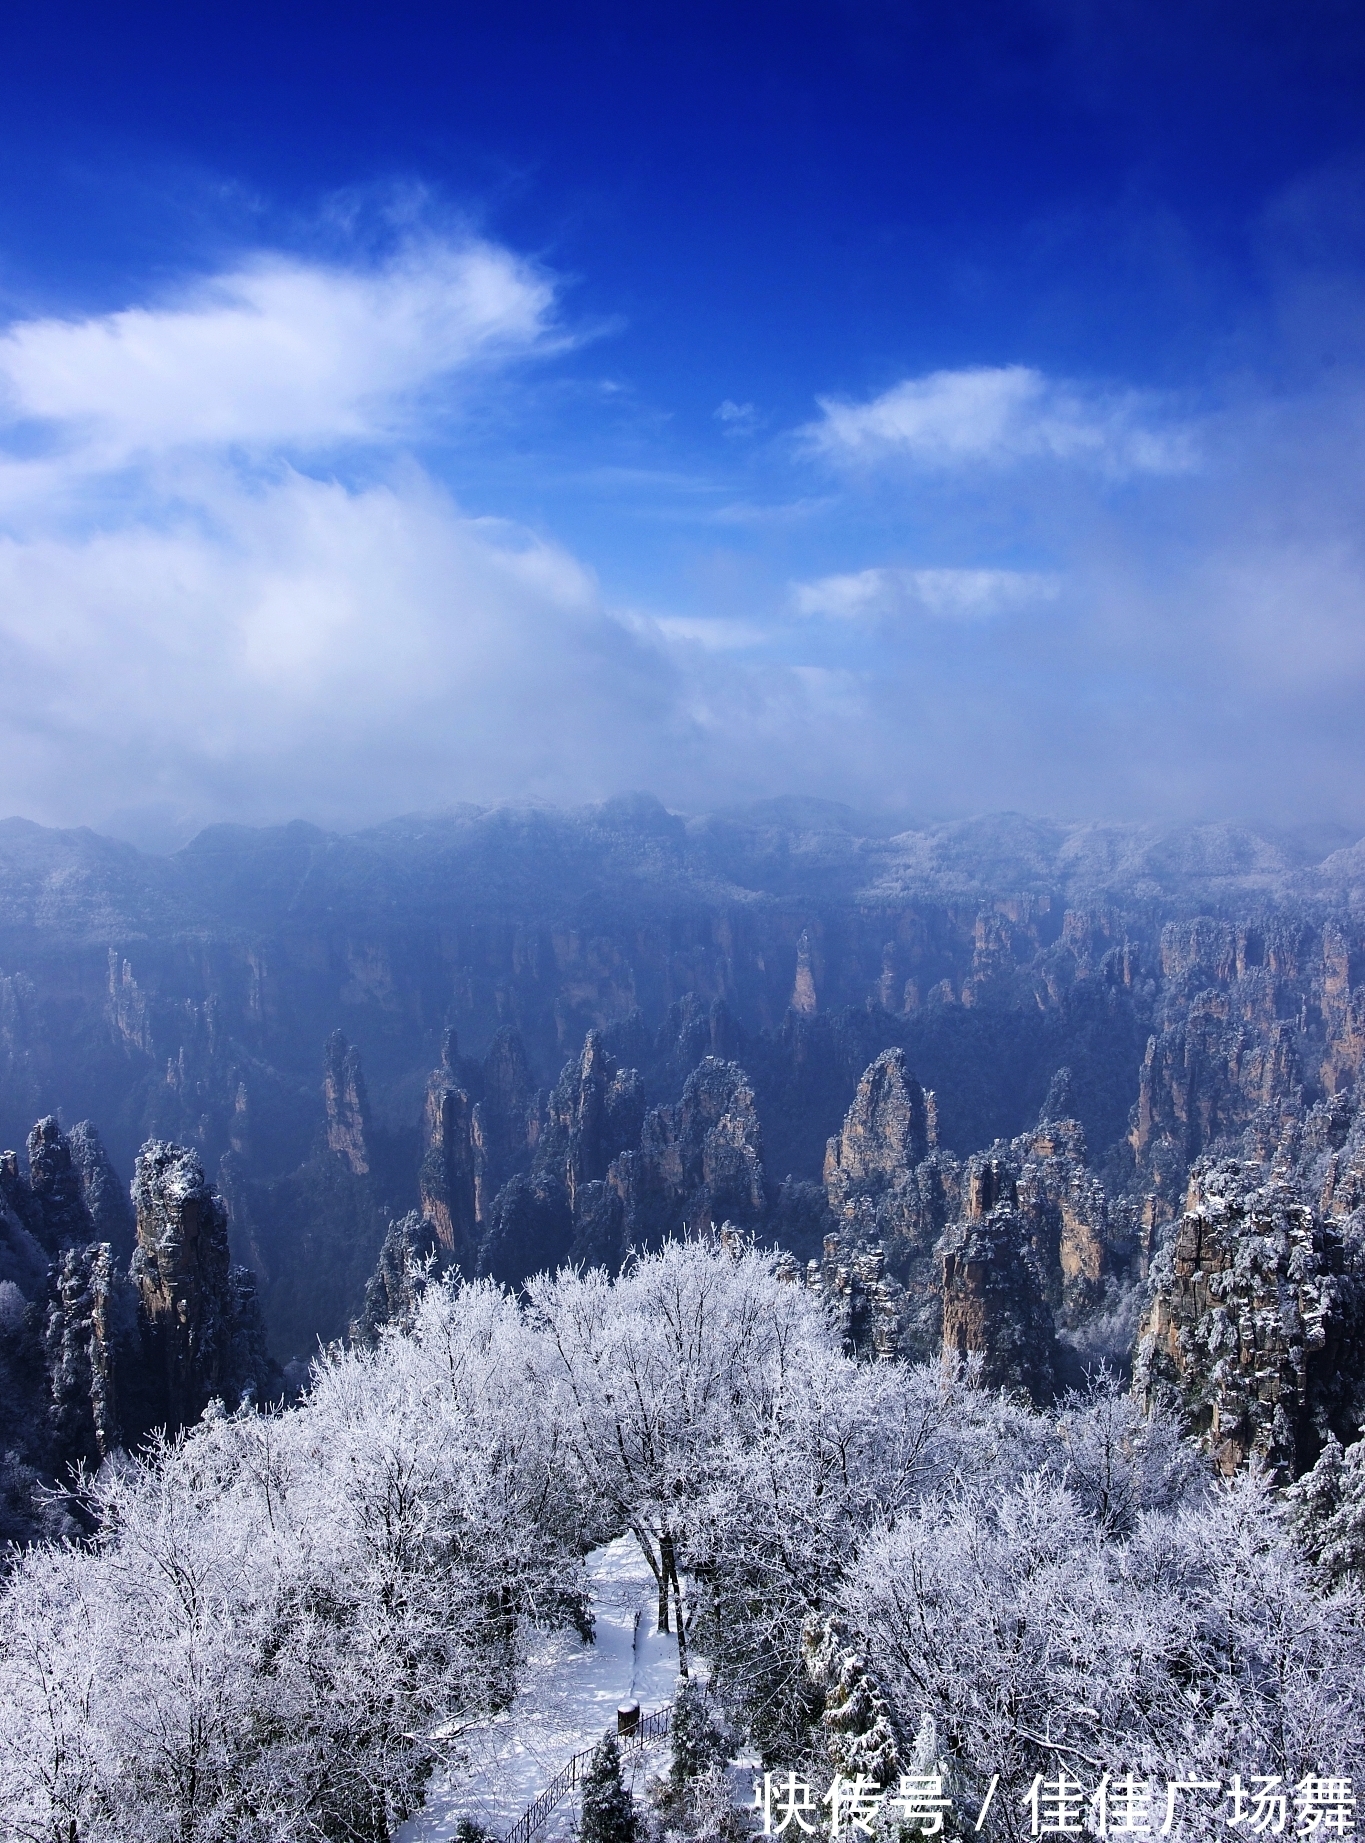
(859, 1736)
(1196, 1648)
(279, 1608)
(608, 1808)
(650, 1375)
(282, 1622)
(695, 1800)
(1327, 1512)
(828, 1453)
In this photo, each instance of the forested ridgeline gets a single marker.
(281, 1622)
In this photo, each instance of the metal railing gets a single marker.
(651, 1727)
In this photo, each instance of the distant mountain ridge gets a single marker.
(1176, 981)
(79, 884)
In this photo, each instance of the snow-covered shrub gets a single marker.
(608, 1808)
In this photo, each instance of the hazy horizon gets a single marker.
(160, 832)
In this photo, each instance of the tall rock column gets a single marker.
(184, 1279)
(993, 1304)
(450, 1180)
(1256, 1331)
(348, 1109)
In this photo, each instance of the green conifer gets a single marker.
(608, 1809)
(697, 1739)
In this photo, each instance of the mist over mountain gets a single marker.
(293, 1003)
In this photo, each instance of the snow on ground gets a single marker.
(569, 1697)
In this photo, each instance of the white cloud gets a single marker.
(715, 633)
(275, 352)
(999, 416)
(319, 650)
(737, 418)
(188, 614)
(195, 610)
(947, 594)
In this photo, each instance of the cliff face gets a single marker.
(865, 1304)
(701, 1160)
(95, 1357)
(413, 1250)
(891, 1127)
(347, 1105)
(1256, 1327)
(993, 1304)
(1214, 978)
(895, 1195)
(608, 1176)
(1253, 1019)
(201, 1329)
(68, 1195)
(97, 1350)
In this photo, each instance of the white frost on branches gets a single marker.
(283, 1622)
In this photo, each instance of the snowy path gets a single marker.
(569, 1699)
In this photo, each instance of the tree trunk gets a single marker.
(669, 1568)
(659, 1569)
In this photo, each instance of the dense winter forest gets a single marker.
(283, 1620)
(942, 1253)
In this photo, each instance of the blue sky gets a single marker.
(936, 408)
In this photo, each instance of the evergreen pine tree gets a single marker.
(858, 1728)
(1327, 1512)
(608, 1809)
(697, 1739)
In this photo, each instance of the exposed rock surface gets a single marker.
(896, 1196)
(347, 1105)
(312, 1235)
(481, 1124)
(97, 1350)
(890, 1129)
(93, 1344)
(1253, 1017)
(868, 1308)
(1032, 975)
(993, 1304)
(413, 1250)
(201, 1326)
(1256, 1329)
(105, 1196)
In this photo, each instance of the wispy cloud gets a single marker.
(737, 418)
(999, 416)
(946, 594)
(275, 352)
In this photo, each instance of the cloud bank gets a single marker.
(234, 580)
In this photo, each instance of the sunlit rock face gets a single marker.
(891, 1190)
(890, 1128)
(201, 1326)
(993, 1304)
